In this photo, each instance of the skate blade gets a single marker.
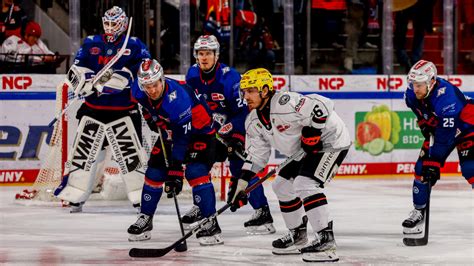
(141, 237)
(323, 256)
(291, 250)
(416, 232)
(75, 210)
(211, 240)
(264, 229)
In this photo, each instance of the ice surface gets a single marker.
(367, 217)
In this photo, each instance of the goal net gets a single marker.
(108, 183)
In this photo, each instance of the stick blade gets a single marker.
(148, 252)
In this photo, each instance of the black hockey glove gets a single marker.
(430, 172)
(427, 126)
(174, 180)
(236, 144)
(236, 195)
(311, 140)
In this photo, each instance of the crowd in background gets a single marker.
(345, 35)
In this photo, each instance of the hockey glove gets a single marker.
(236, 195)
(427, 126)
(236, 145)
(430, 172)
(174, 181)
(311, 140)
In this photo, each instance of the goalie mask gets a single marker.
(115, 22)
(423, 72)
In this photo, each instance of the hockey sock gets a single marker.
(420, 194)
(257, 197)
(150, 198)
(316, 208)
(205, 199)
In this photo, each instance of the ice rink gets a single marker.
(367, 222)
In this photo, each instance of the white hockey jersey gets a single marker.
(15, 45)
(289, 113)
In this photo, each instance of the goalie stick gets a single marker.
(160, 252)
(99, 74)
(411, 242)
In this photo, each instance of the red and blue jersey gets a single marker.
(448, 113)
(96, 52)
(180, 111)
(221, 94)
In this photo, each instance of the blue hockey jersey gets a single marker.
(178, 110)
(222, 95)
(447, 112)
(97, 52)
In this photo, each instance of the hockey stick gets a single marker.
(99, 74)
(424, 240)
(160, 252)
(182, 246)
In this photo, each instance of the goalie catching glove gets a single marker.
(236, 195)
(174, 180)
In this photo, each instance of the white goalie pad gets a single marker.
(79, 176)
(129, 154)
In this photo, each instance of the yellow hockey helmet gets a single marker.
(257, 78)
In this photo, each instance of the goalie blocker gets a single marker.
(89, 150)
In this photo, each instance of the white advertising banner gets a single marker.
(384, 131)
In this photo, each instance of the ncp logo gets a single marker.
(393, 83)
(456, 81)
(330, 83)
(279, 83)
(16, 82)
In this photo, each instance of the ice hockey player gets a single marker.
(186, 124)
(219, 85)
(445, 114)
(289, 122)
(108, 113)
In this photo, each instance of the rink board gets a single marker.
(28, 102)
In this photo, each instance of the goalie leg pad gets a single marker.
(81, 166)
(129, 155)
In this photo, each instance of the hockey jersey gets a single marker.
(289, 112)
(450, 114)
(180, 113)
(97, 52)
(221, 94)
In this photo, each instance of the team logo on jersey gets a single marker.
(284, 99)
(172, 96)
(282, 128)
(217, 96)
(300, 104)
(225, 70)
(94, 51)
(441, 91)
(109, 51)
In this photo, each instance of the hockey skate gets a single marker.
(141, 229)
(323, 248)
(191, 218)
(292, 242)
(210, 234)
(261, 222)
(414, 225)
(76, 207)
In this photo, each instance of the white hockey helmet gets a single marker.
(149, 72)
(423, 71)
(115, 22)
(206, 42)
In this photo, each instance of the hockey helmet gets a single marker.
(257, 78)
(206, 42)
(115, 22)
(423, 72)
(149, 72)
